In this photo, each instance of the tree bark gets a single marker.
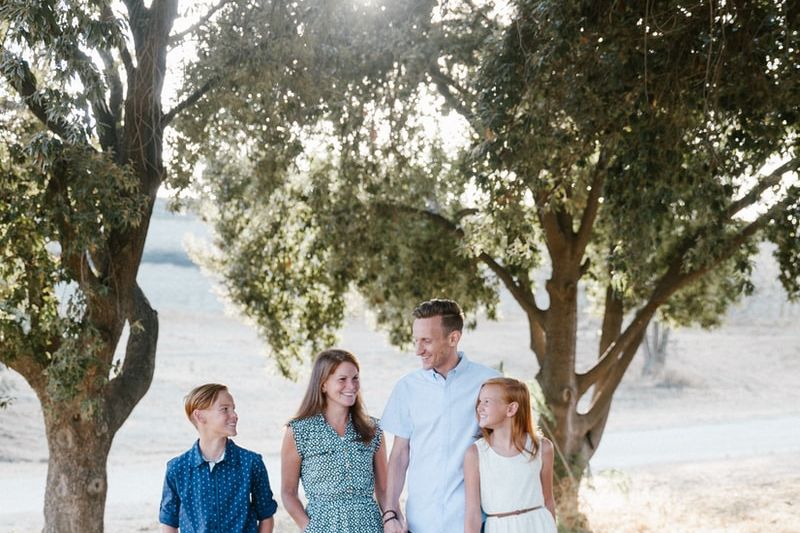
(560, 389)
(75, 496)
(80, 432)
(655, 349)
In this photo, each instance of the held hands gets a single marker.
(393, 522)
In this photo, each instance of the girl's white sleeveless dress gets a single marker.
(512, 484)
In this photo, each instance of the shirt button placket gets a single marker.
(216, 511)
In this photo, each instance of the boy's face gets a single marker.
(220, 418)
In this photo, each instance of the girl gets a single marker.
(336, 450)
(508, 472)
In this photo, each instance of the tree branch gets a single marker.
(754, 194)
(104, 119)
(604, 392)
(612, 319)
(127, 61)
(176, 38)
(134, 6)
(538, 340)
(28, 361)
(137, 15)
(592, 205)
(468, 211)
(565, 225)
(191, 99)
(665, 287)
(523, 297)
(125, 390)
(551, 226)
(20, 77)
(444, 83)
(114, 84)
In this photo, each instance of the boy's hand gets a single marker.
(266, 525)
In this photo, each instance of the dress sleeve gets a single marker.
(170, 501)
(263, 500)
(396, 415)
(378, 438)
(299, 436)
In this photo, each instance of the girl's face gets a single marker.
(493, 411)
(342, 385)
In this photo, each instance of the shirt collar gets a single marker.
(460, 366)
(349, 428)
(231, 453)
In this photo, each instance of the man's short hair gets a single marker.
(201, 397)
(452, 316)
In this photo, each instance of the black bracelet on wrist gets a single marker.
(394, 517)
(389, 511)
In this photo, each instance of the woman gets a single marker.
(337, 450)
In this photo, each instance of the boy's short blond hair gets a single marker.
(201, 397)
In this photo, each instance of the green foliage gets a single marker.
(49, 40)
(785, 232)
(273, 265)
(288, 229)
(59, 201)
(64, 199)
(677, 106)
(292, 62)
(562, 92)
(78, 355)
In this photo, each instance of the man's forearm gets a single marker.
(396, 478)
(395, 481)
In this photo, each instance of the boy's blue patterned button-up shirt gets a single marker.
(231, 498)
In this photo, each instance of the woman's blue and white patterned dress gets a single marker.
(338, 477)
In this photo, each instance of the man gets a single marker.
(431, 414)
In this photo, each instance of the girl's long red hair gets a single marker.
(522, 426)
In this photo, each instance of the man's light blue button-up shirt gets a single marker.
(437, 416)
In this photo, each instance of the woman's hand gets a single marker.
(393, 522)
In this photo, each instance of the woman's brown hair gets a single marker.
(314, 401)
(522, 422)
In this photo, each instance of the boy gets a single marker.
(216, 486)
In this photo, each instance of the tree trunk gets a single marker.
(80, 430)
(75, 496)
(575, 434)
(559, 385)
(655, 349)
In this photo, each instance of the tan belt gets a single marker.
(513, 513)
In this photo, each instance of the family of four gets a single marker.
(501, 483)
